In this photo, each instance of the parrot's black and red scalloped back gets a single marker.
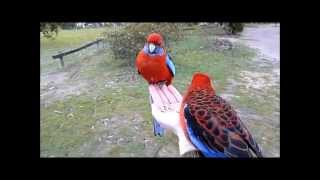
(212, 125)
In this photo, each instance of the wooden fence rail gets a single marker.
(61, 55)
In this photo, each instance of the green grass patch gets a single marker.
(189, 58)
(69, 38)
(65, 125)
(263, 105)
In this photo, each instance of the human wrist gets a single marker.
(184, 144)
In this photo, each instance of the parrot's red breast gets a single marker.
(153, 68)
(214, 122)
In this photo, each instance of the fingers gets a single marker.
(163, 98)
(166, 97)
(175, 93)
(170, 97)
(156, 97)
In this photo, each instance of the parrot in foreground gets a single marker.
(153, 63)
(212, 125)
(156, 67)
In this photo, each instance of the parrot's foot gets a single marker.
(161, 84)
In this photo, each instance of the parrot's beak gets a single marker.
(152, 47)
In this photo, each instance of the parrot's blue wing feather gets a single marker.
(197, 140)
(170, 65)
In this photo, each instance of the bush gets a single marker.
(233, 28)
(128, 39)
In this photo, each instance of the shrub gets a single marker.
(233, 28)
(128, 39)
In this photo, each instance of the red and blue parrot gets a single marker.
(155, 65)
(212, 125)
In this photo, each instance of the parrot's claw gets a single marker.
(161, 84)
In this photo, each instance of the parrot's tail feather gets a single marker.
(157, 129)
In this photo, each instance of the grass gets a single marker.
(264, 101)
(64, 132)
(121, 99)
(118, 95)
(263, 106)
(69, 38)
(192, 55)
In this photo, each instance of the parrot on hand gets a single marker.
(212, 125)
(153, 63)
(156, 67)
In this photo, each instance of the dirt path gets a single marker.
(266, 38)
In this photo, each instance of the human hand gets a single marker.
(165, 105)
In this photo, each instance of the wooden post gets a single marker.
(61, 61)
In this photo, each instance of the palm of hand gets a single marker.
(165, 104)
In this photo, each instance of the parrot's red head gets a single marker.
(201, 81)
(155, 39)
